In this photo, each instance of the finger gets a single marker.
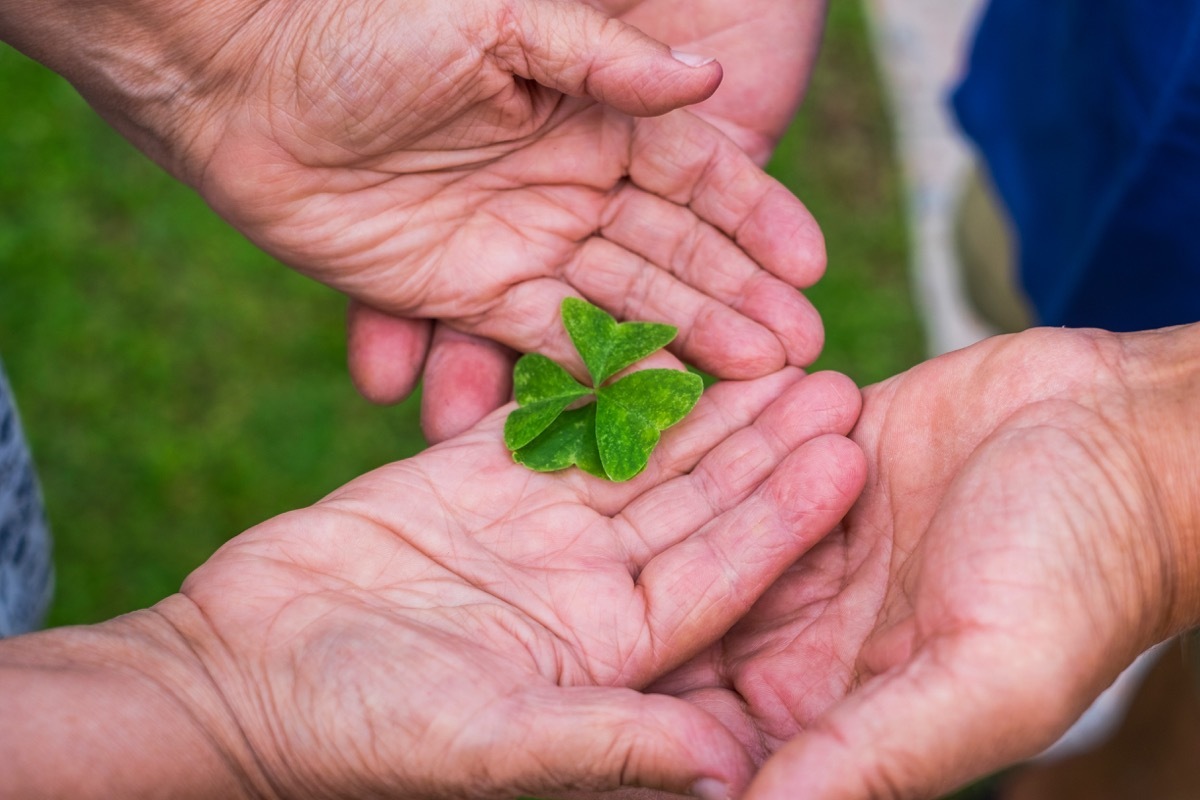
(723, 409)
(575, 49)
(675, 239)
(713, 336)
(384, 353)
(692, 164)
(466, 378)
(605, 738)
(704, 584)
(820, 404)
(528, 317)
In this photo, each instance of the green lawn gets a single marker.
(178, 386)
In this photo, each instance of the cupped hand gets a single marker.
(765, 48)
(457, 626)
(1008, 557)
(475, 163)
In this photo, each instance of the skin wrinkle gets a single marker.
(263, 701)
(630, 223)
(503, 311)
(1092, 498)
(183, 94)
(634, 561)
(749, 217)
(688, 247)
(704, 179)
(562, 630)
(244, 778)
(1144, 497)
(699, 322)
(454, 562)
(272, 705)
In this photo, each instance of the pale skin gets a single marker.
(471, 163)
(449, 626)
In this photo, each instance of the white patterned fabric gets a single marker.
(26, 577)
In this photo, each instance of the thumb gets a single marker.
(601, 739)
(573, 48)
(959, 710)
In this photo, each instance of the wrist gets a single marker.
(143, 65)
(120, 709)
(1163, 369)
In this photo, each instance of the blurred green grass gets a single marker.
(178, 386)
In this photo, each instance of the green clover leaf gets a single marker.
(606, 346)
(613, 437)
(632, 413)
(544, 390)
(569, 441)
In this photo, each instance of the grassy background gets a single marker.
(177, 386)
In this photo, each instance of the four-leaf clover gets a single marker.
(613, 436)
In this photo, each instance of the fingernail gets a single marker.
(710, 789)
(691, 59)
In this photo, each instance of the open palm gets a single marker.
(455, 625)
(765, 48)
(475, 163)
(989, 583)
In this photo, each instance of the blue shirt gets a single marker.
(1087, 114)
(25, 569)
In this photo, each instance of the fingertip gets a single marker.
(731, 346)
(783, 236)
(715, 754)
(384, 354)
(685, 79)
(809, 346)
(801, 333)
(821, 403)
(658, 86)
(788, 315)
(810, 252)
(844, 399)
(590, 53)
(818, 483)
(466, 378)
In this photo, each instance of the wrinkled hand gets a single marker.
(457, 626)
(765, 48)
(476, 163)
(1009, 556)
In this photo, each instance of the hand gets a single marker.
(472, 164)
(457, 626)
(1017, 544)
(766, 49)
